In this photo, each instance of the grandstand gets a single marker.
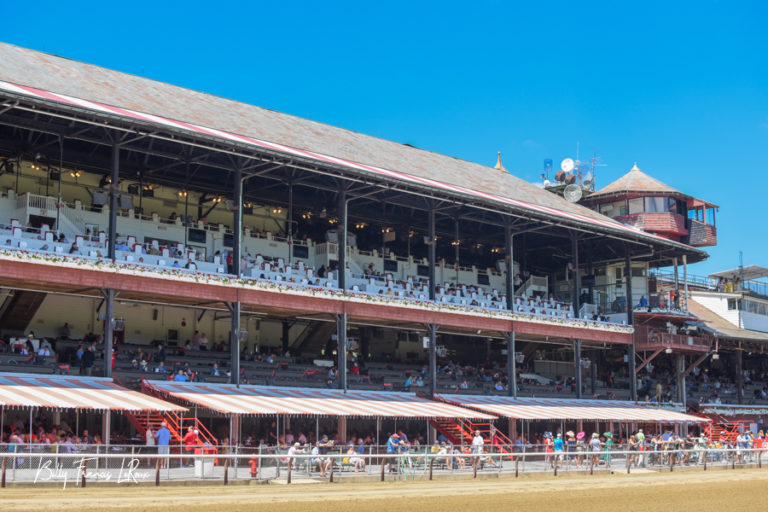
(260, 248)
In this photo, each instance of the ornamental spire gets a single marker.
(499, 165)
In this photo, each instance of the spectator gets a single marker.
(160, 356)
(163, 437)
(86, 364)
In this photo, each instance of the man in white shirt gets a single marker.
(477, 443)
(292, 451)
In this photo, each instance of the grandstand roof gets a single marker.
(721, 327)
(569, 409)
(635, 181)
(49, 78)
(748, 273)
(65, 392)
(263, 400)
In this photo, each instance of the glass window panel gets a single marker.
(655, 204)
(636, 205)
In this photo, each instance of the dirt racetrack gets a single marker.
(698, 491)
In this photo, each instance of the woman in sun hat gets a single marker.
(570, 445)
(549, 448)
(594, 447)
(581, 448)
(607, 448)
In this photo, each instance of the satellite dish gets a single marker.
(572, 193)
(567, 165)
(589, 179)
(560, 176)
(570, 179)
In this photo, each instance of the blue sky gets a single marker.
(679, 87)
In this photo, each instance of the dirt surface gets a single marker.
(699, 491)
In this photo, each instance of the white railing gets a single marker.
(130, 465)
(77, 222)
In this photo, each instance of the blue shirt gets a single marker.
(180, 377)
(392, 445)
(163, 436)
(558, 442)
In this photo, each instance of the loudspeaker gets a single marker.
(154, 314)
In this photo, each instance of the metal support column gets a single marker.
(576, 313)
(677, 283)
(431, 244)
(681, 380)
(109, 294)
(289, 227)
(113, 202)
(341, 336)
(740, 374)
(341, 229)
(510, 263)
(235, 307)
(630, 321)
(109, 301)
(685, 280)
(510, 291)
(61, 172)
(511, 365)
(432, 329)
(234, 344)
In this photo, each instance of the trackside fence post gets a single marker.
(290, 467)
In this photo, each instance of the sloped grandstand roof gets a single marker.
(269, 400)
(635, 181)
(721, 327)
(142, 99)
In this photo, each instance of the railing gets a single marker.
(45, 464)
(654, 338)
(30, 200)
(692, 279)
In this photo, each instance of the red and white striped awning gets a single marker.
(570, 409)
(65, 392)
(147, 117)
(263, 400)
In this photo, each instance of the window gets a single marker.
(614, 209)
(656, 204)
(599, 272)
(300, 251)
(638, 272)
(733, 304)
(636, 205)
(619, 273)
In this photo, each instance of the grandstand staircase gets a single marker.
(724, 427)
(720, 425)
(314, 338)
(17, 311)
(461, 432)
(176, 424)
